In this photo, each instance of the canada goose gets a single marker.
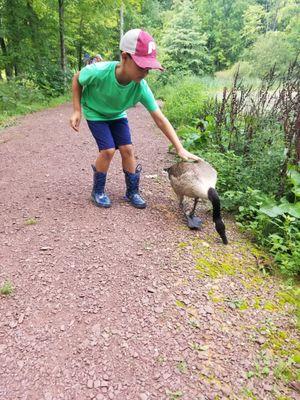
(197, 180)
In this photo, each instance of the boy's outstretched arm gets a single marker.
(164, 125)
(76, 116)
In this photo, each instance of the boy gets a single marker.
(109, 88)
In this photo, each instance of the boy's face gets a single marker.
(133, 71)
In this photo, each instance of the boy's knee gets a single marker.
(127, 151)
(108, 153)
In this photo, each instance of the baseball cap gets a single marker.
(142, 48)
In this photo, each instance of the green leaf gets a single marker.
(271, 211)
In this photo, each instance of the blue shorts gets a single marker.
(110, 134)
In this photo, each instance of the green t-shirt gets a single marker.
(104, 98)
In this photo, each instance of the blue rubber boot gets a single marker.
(99, 197)
(132, 184)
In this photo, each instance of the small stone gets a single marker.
(159, 310)
(48, 396)
(226, 391)
(13, 324)
(143, 396)
(100, 397)
(268, 388)
(104, 384)
(90, 384)
(45, 248)
(97, 384)
(21, 318)
(209, 310)
(111, 395)
(260, 340)
(151, 289)
(106, 377)
(62, 328)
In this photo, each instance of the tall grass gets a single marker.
(24, 97)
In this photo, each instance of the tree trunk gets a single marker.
(297, 138)
(121, 21)
(61, 35)
(8, 69)
(79, 46)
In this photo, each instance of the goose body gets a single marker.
(197, 180)
(192, 179)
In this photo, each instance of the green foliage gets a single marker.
(269, 49)
(22, 96)
(254, 23)
(276, 225)
(183, 41)
(247, 179)
(6, 289)
(223, 22)
(185, 102)
(50, 79)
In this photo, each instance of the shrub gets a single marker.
(185, 102)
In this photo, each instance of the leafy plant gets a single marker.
(6, 289)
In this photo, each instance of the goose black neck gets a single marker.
(214, 198)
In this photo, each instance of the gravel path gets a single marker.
(107, 303)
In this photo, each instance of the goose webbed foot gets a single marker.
(193, 221)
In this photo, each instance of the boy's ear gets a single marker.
(124, 55)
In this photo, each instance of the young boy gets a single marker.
(109, 88)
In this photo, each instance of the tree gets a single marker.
(62, 35)
(223, 22)
(254, 23)
(183, 41)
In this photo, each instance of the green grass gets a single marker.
(30, 221)
(6, 289)
(8, 117)
(18, 99)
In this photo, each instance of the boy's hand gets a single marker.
(186, 155)
(75, 120)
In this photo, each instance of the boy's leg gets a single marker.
(103, 160)
(128, 158)
(122, 138)
(106, 145)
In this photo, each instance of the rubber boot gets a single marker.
(99, 197)
(132, 184)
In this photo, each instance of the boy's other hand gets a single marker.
(75, 120)
(186, 155)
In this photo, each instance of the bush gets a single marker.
(185, 102)
(248, 176)
(50, 78)
(269, 49)
(22, 96)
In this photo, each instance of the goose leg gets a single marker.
(193, 221)
(194, 208)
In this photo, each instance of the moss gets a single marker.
(180, 304)
(270, 306)
(182, 245)
(214, 268)
(214, 298)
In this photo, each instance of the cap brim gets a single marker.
(147, 62)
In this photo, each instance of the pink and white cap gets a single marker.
(142, 48)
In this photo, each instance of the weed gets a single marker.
(31, 221)
(182, 367)
(6, 289)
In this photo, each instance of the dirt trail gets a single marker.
(107, 303)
